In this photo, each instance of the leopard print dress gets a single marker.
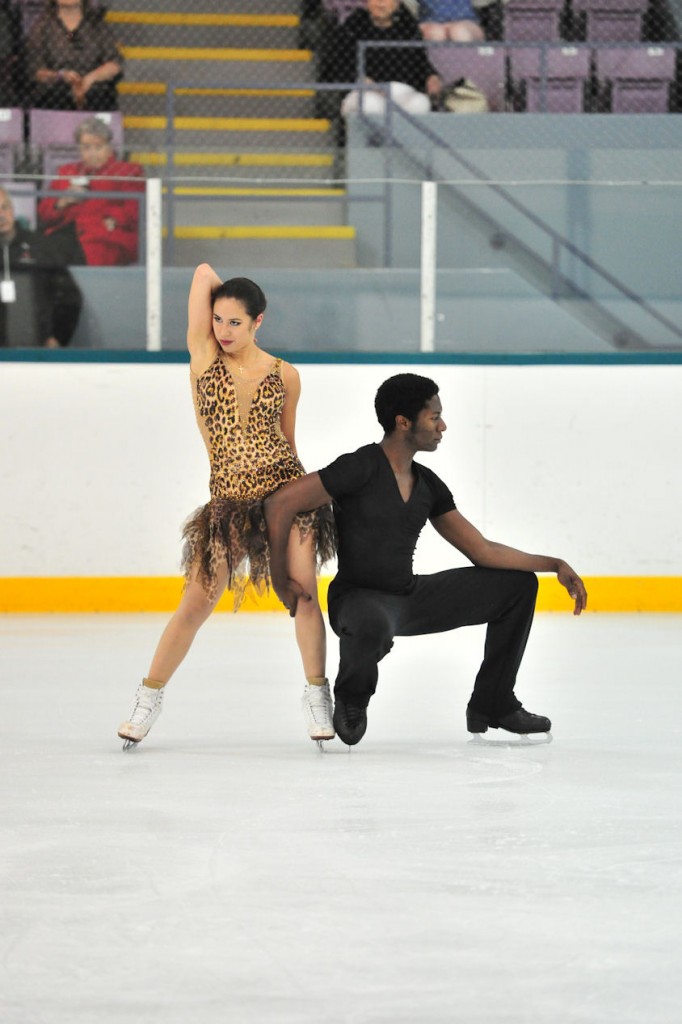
(249, 457)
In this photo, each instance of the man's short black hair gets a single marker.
(406, 395)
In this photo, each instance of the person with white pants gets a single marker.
(373, 100)
(404, 73)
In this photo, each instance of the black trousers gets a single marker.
(366, 621)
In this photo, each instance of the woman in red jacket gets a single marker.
(106, 227)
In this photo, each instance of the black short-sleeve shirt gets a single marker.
(378, 530)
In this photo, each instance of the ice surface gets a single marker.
(227, 871)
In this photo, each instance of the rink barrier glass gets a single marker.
(162, 593)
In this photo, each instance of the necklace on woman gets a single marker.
(241, 367)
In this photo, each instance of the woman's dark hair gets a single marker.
(406, 394)
(243, 290)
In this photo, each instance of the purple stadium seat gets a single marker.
(6, 159)
(613, 21)
(58, 126)
(51, 134)
(566, 69)
(484, 65)
(640, 77)
(11, 137)
(11, 124)
(532, 21)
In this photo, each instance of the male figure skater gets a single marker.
(382, 499)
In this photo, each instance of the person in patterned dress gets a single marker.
(245, 402)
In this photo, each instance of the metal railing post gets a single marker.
(428, 267)
(154, 263)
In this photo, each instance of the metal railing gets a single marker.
(622, 335)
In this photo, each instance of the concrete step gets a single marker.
(218, 67)
(291, 253)
(133, 31)
(285, 207)
(230, 134)
(149, 99)
(248, 165)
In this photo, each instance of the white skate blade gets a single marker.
(533, 739)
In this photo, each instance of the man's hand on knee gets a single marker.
(290, 593)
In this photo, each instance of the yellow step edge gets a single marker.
(84, 595)
(258, 192)
(289, 232)
(230, 20)
(211, 53)
(160, 89)
(142, 88)
(156, 159)
(230, 124)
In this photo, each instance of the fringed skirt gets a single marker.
(234, 533)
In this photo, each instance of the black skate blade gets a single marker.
(129, 744)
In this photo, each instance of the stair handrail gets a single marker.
(559, 241)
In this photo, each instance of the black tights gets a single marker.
(367, 620)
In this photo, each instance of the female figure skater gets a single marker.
(245, 401)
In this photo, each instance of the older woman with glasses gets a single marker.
(103, 225)
(72, 57)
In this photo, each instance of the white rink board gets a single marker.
(101, 463)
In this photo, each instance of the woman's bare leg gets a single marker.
(176, 640)
(433, 31)
(309, 624)
(465, 32)
(316, 703)
(178, 636)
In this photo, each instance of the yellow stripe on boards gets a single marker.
(230, 124)
(212, 53)
(230, 20)
(162, 593)
(116, 594)
(275, 231)
(617, 594)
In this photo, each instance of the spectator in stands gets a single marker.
(414, 83)
(106, 227)
(490, 13)
(10, 54)
(72, 57)
(453, 21)
(36, 283)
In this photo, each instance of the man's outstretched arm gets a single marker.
(300, 495)
(489, 554)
